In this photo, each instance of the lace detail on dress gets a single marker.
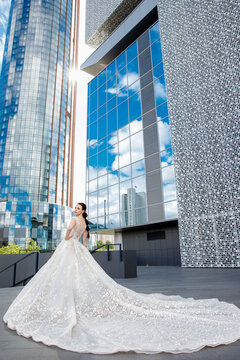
(79, 228)
(72, 303)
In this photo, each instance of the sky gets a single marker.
(82, 80)
(81, 123)
(4, 12)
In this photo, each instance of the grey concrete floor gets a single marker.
(223, 284)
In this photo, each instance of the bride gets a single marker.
(72, 303)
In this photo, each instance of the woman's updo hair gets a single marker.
(85, 215)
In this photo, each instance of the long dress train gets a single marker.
(72, 303)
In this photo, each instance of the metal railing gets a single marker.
(14, 283)
(108, 250)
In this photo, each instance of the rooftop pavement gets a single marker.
(223, 284)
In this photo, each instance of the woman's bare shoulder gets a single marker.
(72, 222)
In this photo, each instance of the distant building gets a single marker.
(131, 202)
(36, 121)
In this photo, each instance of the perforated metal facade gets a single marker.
(200, 43)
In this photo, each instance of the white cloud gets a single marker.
(137, 146)
(164, 135)
(92, 142)
(132, 77)
(166, 158)
(138, 168)
(112, 141)
(160, 90)
(2, 43)
(171, 209)
(125, 173)
(169, 187)
(168, 174)
(123, 132)
(169, 191)
(111, 90)
(123, 82)
(124, 153)
(136, 126)
(112, 178)
(4, 11)
(113, 199)
(92, 185)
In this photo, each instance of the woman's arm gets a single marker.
(69, 229)
(85, 238)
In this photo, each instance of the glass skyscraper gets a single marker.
(35, 119)
(130, 170)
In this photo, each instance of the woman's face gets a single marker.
(78, 210)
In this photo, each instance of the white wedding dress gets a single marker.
(72, 303)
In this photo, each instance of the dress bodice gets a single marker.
(79, 228)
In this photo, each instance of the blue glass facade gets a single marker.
(35, 119)
(33, 101)
(130, 170)
(17, 218)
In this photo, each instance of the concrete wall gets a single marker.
(165, 251)
(114, 268)
(24, 269)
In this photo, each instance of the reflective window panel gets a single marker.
(127, 108)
